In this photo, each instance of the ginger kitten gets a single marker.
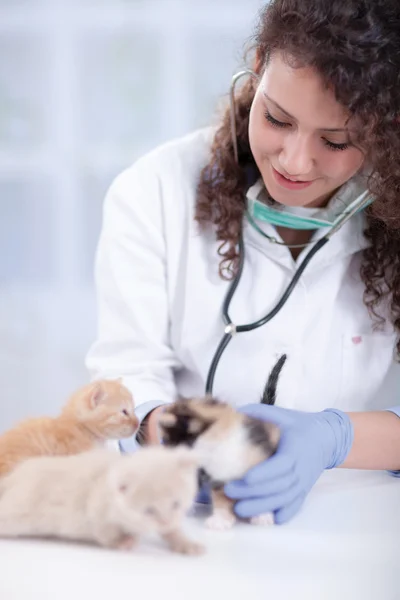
(97, 412)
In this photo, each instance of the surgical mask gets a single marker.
(301, 217)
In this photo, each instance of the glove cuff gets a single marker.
(342, 430)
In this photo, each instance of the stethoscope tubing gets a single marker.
(230, 328)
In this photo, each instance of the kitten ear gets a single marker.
(167, 419)
(195, 426)
(180, 398)
(97, 395)
(274, 434)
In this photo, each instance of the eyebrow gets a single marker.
(332, 129)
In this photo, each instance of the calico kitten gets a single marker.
(227, 443)
(97, 412)
(102, 497)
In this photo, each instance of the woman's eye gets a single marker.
(275, 122)
(150, 511)
(125, 412)
(333, 146)
(176, 505)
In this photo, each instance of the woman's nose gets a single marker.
(296, 157)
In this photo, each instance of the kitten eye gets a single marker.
(125, 412)
(176, 505)
(150, 511)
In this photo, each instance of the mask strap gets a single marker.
(272, 239)
(365, 200)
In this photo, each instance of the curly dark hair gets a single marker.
(354, 45)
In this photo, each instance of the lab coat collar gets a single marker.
(348, 240)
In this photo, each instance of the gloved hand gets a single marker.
(310, 443)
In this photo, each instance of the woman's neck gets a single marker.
(294, 236)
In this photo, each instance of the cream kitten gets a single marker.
(102, 497)
(97, 412)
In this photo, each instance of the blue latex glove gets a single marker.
(310, 443)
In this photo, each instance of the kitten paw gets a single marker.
(220, 521)
(178, 542)
(127, 542)
(188, 547)
(265, 520)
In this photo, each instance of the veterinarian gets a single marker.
(311, 132)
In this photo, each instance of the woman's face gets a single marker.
(300, 137)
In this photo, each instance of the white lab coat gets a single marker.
(160, 298)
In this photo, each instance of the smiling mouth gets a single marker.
(291, 183)
(294, 179)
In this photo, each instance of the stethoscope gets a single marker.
(232, 329)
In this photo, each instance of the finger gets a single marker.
(279, 465)
(286, 513)
(239, 490)
(257, 506)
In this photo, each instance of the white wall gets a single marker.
(86, 86)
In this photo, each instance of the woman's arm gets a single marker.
(376, 443)
(310, 443)
(131, 288)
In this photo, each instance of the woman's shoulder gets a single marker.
(161, 185)
(177, 161)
